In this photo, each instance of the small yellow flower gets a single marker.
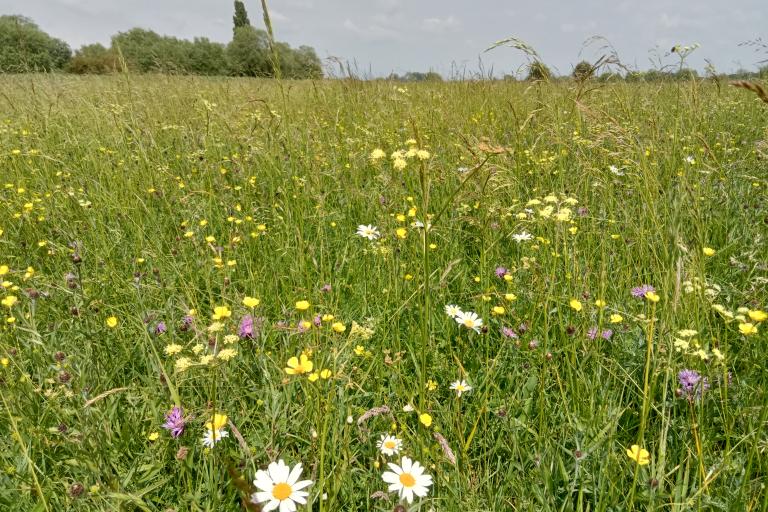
(431, 385)
(251, 302)
(425, 419)
(338, 327)
(302, 305)
(747, 328)
(218, 422)
(172, 349)
(401, 233)
(313, 377)
(616, 318)
(639, 455)
(600, 303)
(359, 350)
(651, 296)
(510, 297)
(299, 366)
(327, 317)
(708, 251)
(325, 374)
(9, 301)
(4, 270)
(756, 315)
(498, 310)
(221, 312)
(112, 322)
(153, 436)
(575, 305)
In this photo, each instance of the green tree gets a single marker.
(25, 47)
(248, 53)
(240, 19)
(93, 59)
(583, 71)
(538, 71)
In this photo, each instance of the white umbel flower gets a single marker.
(279, 487)
(470, 320)
(368, 231)
(407, 479)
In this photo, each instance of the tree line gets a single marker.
(24, 47)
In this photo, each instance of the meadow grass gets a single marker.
(153, 200)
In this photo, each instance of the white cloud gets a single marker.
(440, 25)
(371, 32)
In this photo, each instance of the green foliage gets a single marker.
(248, 53)
(240, 18)
(538, 71)
(93, 59)
(417, 76)
(582, 71)
(143, 198)
(25, 47)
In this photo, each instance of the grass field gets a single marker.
(175, 242)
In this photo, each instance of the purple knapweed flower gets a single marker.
(246, 327)
(605, 334)
(640, 291)
(501, 272)
(174, 421)
(326, 288)
(508, 332)
(160, 328)
(692, 383)
(318, 320)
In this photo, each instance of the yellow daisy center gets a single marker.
(407, 480)
(460, 387)
(281, 491)
(389, 444)
(469, 322)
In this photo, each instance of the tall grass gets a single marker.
(106, 182)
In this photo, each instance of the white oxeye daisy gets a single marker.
(470, 320)
(370, 232)
(452, 310)
(461, 386)
(279, 487)
(407, 479)
(389, 445)
(522, 237)
(212, 437)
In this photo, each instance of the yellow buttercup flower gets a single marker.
(338, 327)
(616, 318)
(651, 296)
(299, 365)
(9, 301)
(251, 302)
(575, 305)
(425, 419)
(639, 455)
(756, 315)
(708, 251)
(221, 312)
(218, 422)
(747, 328)
(302, 305)
(112, 322)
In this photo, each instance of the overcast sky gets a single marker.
(383, 36)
